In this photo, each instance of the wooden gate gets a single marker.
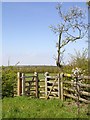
(49, 87)
(53, 85)
(59, 86)
(28, 85)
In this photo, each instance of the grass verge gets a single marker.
(25, 107)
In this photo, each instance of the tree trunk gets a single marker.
(58, 58)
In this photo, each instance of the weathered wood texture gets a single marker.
(19, 84)
(23, 84)
(83, 89)
(46, 79)
(52, 86)
(37, 80)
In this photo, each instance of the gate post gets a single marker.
(46, 79)
(37, 85)
(61, 85)
(19, 84)
(23, 84)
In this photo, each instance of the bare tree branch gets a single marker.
(72, 26)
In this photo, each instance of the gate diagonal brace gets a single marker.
(30, 82)
(52, 87)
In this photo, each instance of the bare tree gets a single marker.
(72, 27)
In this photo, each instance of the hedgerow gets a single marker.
(8, 81)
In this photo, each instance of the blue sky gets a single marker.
(26, 34)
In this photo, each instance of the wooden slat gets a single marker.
(32, 90)
(42, 81)
(30, 81)
(42, 92)
(41, 86)
(85, 93)
(81, 92)
(51, 77)
(52, 87)
(55, 87)
(54, 92)
(52, 82)
(68, 82)
(80, 99)
(68, 89)
(82, 85)
(82, 77)
(42, 97)
(52, 97)
(67, 75)
(27, 77)
(85, 77)
(85, 85)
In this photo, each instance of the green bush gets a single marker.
(8, 81)
(80, 60)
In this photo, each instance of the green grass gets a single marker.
(25, 107)
(40, 75)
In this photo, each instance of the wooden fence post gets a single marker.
(37, 85)
(46, 79)
(23, 84)
(19, 84)
(61, 85)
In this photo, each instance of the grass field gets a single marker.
(25, 107)
(41, 76)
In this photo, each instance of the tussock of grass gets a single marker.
(25, 107)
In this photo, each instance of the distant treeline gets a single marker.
(39, 69)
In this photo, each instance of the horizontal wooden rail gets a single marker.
(51, 81)
(82, 85)
(80, 99)
(81, 92)
(68, 82)
(42, 92)
(67, 75)
(53, 92)
(71, 75)
(42, 81)
(27, 76)
(30, 81)
(85, 77)
(68, 89)
(85, 93)
(51, 77)
(41, 86)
